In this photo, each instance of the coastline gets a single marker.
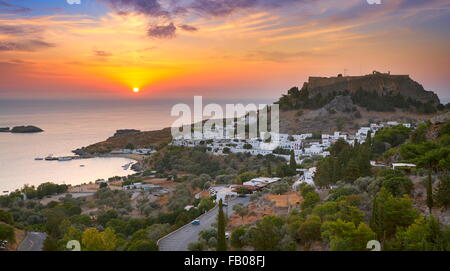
(91, 173)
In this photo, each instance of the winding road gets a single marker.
(181, 238)
(34, 241)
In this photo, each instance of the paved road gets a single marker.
(180, 239)
(34, 241)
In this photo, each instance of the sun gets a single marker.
(135, 90)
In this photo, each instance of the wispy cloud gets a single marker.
(102, 53)
(19, 30)
(26, 45)
(188, 28)
(280, 56)
(6, 7)
(162, 31)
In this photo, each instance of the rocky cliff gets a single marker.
(381, 83)
(137, 139)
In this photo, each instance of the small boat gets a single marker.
(50, 157)
(6, 191)
(64, 158)
(126, 166)
(81, 165)
(38, 159)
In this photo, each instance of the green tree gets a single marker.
(241, 210)
(267, 234)
(130, 146)
(6, 217)
(284, 170)
(7, 233)
(238, 237)
(292, 162)
(345, 236)
(390, 212)
(221, 240)
(305, 189)
(309, 230)
(93, 240)
(142, 245)
(205, 204)
(269, 169)
(247, 146)
(398, 186)
(431, 160)
(50, 244)
(245, 177)
(310, 200)
(442, 194)
(197, 246)
(425, 234)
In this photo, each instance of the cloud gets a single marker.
(188, 28)
(279, 56)
(146, 7)
(102, 53)
(19, 30)
(6, 7)
(220, 8)
(27, 45)
(162, 31)
(176, 10)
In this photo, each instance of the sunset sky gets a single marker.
(215, 48)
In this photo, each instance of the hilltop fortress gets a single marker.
(382, 83)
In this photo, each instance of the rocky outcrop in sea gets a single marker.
(22, 129)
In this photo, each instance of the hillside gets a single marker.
(327, 104)
(137, 139)
(341, 114)
(376, 92)
(323, 104)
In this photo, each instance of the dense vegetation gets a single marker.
(372, 101)
(197, 161)
(108, 226)
(365, 204)
(345, 163)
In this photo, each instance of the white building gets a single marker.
(261, 181)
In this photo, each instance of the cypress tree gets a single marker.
(429, 191)
(221, 241)
(292, 162)
(269, 169)
(369, 138)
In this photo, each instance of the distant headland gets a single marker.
(21, 129)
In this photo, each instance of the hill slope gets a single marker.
(376, 92)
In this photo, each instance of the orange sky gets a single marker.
(256, 49)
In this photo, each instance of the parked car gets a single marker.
(195, 222)
(3, 244)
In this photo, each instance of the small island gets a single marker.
(22, 129)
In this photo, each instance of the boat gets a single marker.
(38, 159)
(65, 158)
(81, 165)
(50, 158)
(126, 166)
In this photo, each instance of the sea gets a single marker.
(71, 124)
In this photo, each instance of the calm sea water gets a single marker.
(69, 125)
